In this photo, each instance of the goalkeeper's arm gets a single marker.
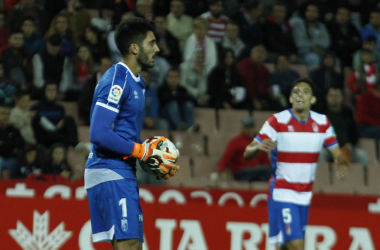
(102, 135)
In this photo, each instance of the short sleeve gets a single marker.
(268, 130)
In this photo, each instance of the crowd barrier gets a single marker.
(55, 215)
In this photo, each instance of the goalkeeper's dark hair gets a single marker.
(133, 30)
(305, 80)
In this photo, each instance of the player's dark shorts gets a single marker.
(115, 211)
(287, 221)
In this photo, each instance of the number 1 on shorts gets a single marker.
(123, 204)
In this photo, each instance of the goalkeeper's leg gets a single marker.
(131, 244)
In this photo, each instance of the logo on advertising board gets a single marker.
(40, 239)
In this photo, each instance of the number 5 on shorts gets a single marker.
(286, 215)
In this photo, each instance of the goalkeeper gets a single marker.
(117, 114)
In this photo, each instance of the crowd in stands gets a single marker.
(220, 54)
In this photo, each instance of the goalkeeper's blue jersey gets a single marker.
(120, 91)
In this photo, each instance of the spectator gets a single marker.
(232, 41)
(87, 91)
(104, 22)
(30, 162)
(52, 8)
(7, 88)
(122, 7)
(248, 21)
(373, 27)
(82, 67)
(278, 37)
(78, 19)
(281, 80)
(158, 73)
(93, 40)
(4, 33)
(368, 114)
(257, 169)
(161, 7)
(21, 117)
(342, 119)
(177, 106)
(56, 162)
(345, 38)
(216, 19)
(310, 36)
(370, 44)
(143, 9)
(17, 61)
(114, 51)
(60, 26)
(11, 143)
(50, 123)
(224, 82)
(325, 77)
(167, 43)
(365, 77)
(255, 78)
(200, 40)
(179, 24)
(24, 8)
(194, 78)
(50, 65)
(195, 8)
(32, 42)
(152, 119)
(360, 10)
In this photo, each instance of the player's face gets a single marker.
(301, 97)
(148, 51)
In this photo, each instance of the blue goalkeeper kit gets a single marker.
(117, 114)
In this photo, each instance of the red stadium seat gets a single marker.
(188, 143)
(206, 118)
(230, 120)
(204, 166)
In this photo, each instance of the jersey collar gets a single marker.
(137, 79)
(303, 122)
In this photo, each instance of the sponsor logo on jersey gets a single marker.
(136, 95)
(140, 217)
(290, 128)
(288, 230)
(115, 94)
(263, 128)
(124, 224)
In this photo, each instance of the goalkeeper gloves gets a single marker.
(154, 157)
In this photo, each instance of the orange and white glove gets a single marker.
(170, 174)
(154, 157)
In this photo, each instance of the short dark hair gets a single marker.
(29, 18)
(133, 30)
(365, 50)
(305, 80)
(211, 2)
(15, 31)
(175, 68)
(370, 39)
(251, 4)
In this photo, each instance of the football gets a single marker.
(166, 146)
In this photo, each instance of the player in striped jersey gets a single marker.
(216, 19)
(294, 137)
(117, 114)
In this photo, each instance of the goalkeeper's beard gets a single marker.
(143, 59)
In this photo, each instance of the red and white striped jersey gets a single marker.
(294, 161)
(217, 27)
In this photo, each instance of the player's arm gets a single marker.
(255, 147)
(101, 134)
(341, 162)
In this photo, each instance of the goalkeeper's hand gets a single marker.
(171, 173)
(154, 157)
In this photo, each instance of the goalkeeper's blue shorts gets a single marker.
(115, 211)
(287, 221)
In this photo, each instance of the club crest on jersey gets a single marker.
(115, 94)
(124, 224)
(290, 128)
(315, 127)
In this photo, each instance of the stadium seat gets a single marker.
(230, 120)
(259, 185)
(183, 174)
(216, 144)
(204, 166)
(188, 143)
(373, 185)
(369, 145)
(84, 133)
(260, 117)
(322, 180)
(350, 185)
(206, 118)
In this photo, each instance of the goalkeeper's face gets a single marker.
(148, 50)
